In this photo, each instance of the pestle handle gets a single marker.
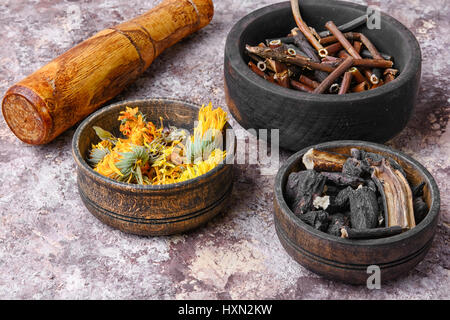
(54, 98)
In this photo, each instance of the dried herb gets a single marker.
(150, 155)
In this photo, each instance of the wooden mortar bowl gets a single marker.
(149, 210)
(303, 118)
(345, 259)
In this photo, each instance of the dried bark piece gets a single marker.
(364, 208)
(302, 188)
(323, 161)
(396, 193)
(319, 220)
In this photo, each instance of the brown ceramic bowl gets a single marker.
(149, 210)
(345, 259)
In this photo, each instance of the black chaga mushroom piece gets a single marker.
(337, 221)
(417, 191)
(342, 179)
(302, 188)
(319, 220)
(353, 167)
(420, 207)
(342, 197)
(364, 208)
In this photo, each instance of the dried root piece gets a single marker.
(323, 160)
(396, 194)
(302, 188)
(376, 233)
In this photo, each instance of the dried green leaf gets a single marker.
(105, 135)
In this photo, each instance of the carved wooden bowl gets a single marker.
(303, 118)
(149, 210)
(348, 259)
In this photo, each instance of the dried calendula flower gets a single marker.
(159, 155)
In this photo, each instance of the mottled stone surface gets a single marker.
(52, 247)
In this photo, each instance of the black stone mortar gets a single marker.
(303, 118)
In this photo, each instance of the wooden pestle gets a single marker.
(69, 88)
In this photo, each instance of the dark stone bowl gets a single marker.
(149, 210)
(347, 259)
(303, 118)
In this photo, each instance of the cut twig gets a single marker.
(256, 70)
(333, 48)
(357, 45)
(286, 40)
(304, 45)
(369, 45)
(281, 57)
(308, 81)
(275, 44)
(357, 75)
(305, 29)
(342, 39)
(301, 87)
(346, 81)
(325, 84)
(363, 86)
(332, 39)
(282, 78)
(389, 74)
(373, 63)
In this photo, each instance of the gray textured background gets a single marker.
(52, 247)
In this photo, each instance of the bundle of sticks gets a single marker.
(335, 61)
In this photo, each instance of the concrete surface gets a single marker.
(51, 247)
